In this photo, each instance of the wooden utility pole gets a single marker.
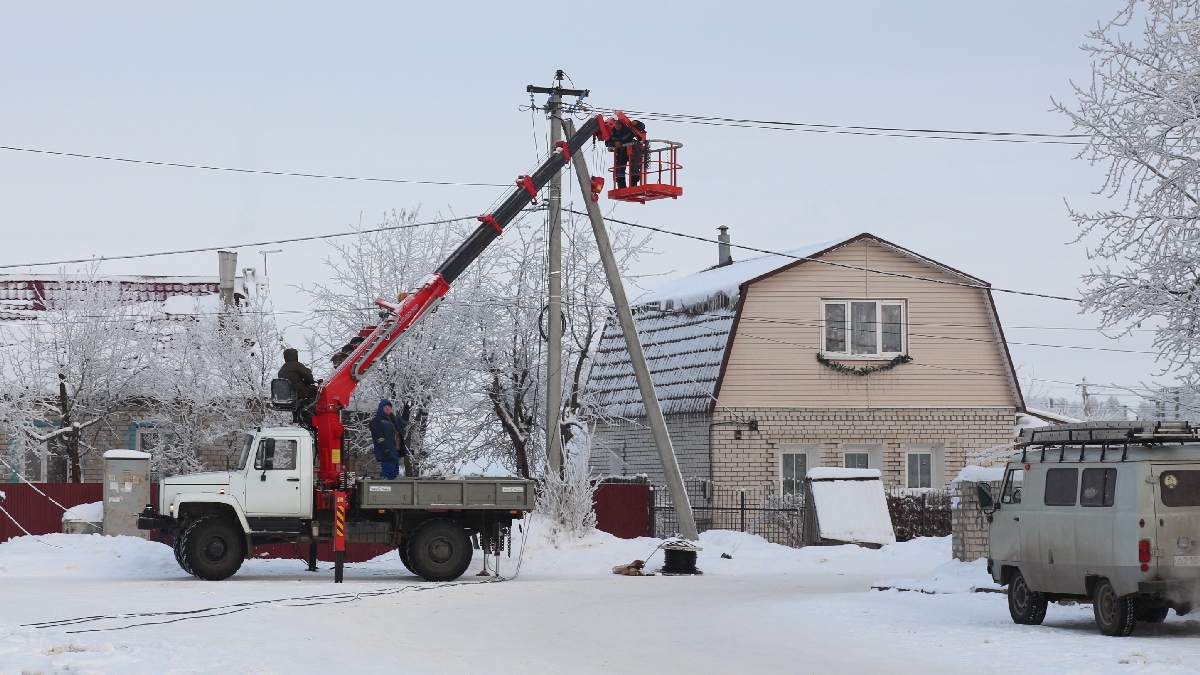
(554, 452)
(637, 358)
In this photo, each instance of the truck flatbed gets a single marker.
(476, 493)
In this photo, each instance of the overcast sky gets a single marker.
(432, 91)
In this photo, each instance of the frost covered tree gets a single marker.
(211, 377)
(73, 367)
(431, 373)
(1141, 110)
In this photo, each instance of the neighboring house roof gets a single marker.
(25, 296)
(686, 327)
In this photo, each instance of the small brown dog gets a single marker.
(633, 569)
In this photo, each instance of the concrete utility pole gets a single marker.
(554, 451)
(654, 414)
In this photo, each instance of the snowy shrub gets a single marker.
(566, 502)
(919, 512)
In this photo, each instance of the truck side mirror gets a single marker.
(986, 502)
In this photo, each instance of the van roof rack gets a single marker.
(1109, 433)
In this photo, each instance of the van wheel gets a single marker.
(1151, 614)
(439, 550)
(213, 548)
(1115, 615)
(402, 549)
(1025, 605)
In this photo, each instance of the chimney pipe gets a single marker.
(723, 247)
(228, 268)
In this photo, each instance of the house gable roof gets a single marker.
(687, 327)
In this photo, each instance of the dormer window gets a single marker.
(864, 328)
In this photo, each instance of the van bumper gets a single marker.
(1168, 587)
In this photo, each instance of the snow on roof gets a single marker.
(85, 513)
(700, 286)
(126, 454)
(24, 296)
(1050, 417)
(838, 473)
(186, 305)
(684, 326)
(979, 474)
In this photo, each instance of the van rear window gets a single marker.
(1180, 488)
(1061, 487)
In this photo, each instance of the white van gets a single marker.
(1100, 512)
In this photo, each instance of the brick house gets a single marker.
(759, 365)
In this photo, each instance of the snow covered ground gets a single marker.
(769, 609)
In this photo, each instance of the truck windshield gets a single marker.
(247, 442)
(1180, 488)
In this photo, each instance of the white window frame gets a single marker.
(874, 452)
(846, 303)
(812, 458)
(937, 462)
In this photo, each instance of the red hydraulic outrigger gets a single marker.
(334, 484)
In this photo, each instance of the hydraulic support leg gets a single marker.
(339, 535)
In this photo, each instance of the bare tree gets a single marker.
(1141, 111)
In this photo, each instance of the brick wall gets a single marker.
(754, 459)
(969, 540)
(632, 441)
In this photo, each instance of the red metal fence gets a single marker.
(623, 509)
(39, 515)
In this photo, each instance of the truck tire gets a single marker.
(402, 549)
(1115, 615)
(213, 548)
(177, 547)
(439, 550)
(1025, 605)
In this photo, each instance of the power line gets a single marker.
(203, 249)
(836, 264)
(261, 172)
(853, 130)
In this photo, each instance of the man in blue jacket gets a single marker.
(387, 433)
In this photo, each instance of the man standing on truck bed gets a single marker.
(387, 434)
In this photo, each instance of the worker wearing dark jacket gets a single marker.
(387, 434)
(628, 149)
(299, 375)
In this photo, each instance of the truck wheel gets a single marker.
(177, 547)
(402, 549)
(1114, 615)
(1025, 605)
(439, 550)
(213, 548)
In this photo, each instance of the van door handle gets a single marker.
(1014, 517)
(293, 480)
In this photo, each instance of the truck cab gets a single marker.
(1100, 512)
(273, 478)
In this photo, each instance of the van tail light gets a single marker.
(1144, 553)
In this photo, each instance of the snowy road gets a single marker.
(768, 610)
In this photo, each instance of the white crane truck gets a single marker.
(290, 483)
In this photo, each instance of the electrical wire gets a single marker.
(830, 263)
(203, 249)
(853, 130)
(261, 172)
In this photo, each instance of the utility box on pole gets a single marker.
(126, 491)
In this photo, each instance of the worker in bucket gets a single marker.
(387, 434)
(628, 151)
